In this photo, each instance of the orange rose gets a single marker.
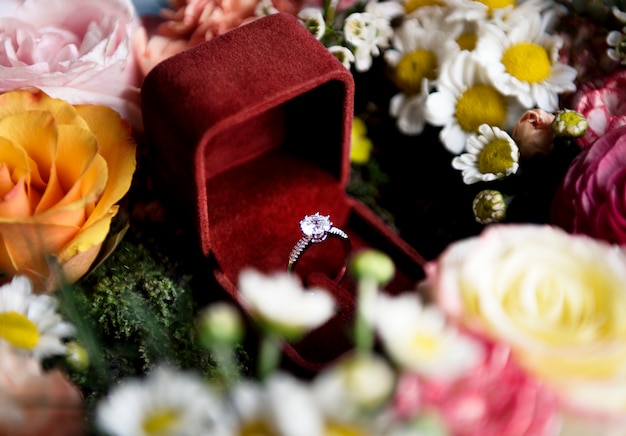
(63, 170)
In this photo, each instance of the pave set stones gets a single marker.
(316, 226)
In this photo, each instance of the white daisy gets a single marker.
(496, 10)
(29, 322)
(465, 99)
(415, 57)
(280, 302)
(491, 155)
(524, 63)
(418, 339)
(165, 402)
(413, 8)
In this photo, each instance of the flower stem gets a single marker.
(269, 355)
(367, 289)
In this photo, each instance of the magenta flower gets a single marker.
(604, 107)
(494, 398)
(592, 197)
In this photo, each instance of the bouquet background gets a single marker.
(517, 328)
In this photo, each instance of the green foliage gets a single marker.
(136, 310)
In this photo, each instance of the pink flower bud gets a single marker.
(533, 133)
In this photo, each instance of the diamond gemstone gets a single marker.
(316, 226)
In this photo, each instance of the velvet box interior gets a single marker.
(251, 132)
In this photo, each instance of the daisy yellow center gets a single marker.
(255, 428)
(414, 67)
(18, 330)
(480, 104)
(527, 62)
(428, 345)
(497, 4)
(467, 41)
(413, 5)
(161, 423)
(495, 157)
(340, 429)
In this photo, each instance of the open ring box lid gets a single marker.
(250, 132)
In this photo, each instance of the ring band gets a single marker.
(315, 229)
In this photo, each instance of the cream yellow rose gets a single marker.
(559, 300)
(63, 169)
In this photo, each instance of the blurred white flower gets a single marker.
(29, 322)
(418, 339)
(280, 302)
(343, 54)
(354, 387)
(282, 405)
(313, 20)
(491, 155)
(166, 402)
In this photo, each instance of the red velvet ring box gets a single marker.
(251, 132)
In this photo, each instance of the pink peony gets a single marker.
(496, 398)
(34, 402)
(604, 107)
(76, 50)
(533, 133)
(592, 197)
(191, 22)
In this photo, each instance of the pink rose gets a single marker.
(592, 197)
(495, 398)
(76, 50)
(604, 107)
(191, 22)
(533, 133)
(34, 402)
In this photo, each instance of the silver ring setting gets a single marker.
(315, 229)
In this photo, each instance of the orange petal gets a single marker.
(15, 203)
(78, 175)
(118, 149)
(6, 181)
(34, 99)
(77, 155)
(89, 236)
(36, 133)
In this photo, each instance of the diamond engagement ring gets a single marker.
(315, 229)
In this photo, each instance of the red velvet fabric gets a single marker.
(250, 132)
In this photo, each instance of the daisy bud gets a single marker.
(569, 124)
(489, 206)
(77, 356)
(220, 323)
(372, 264)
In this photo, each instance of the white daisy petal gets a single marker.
(29, 322)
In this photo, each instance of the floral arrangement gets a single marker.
(491, 134)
